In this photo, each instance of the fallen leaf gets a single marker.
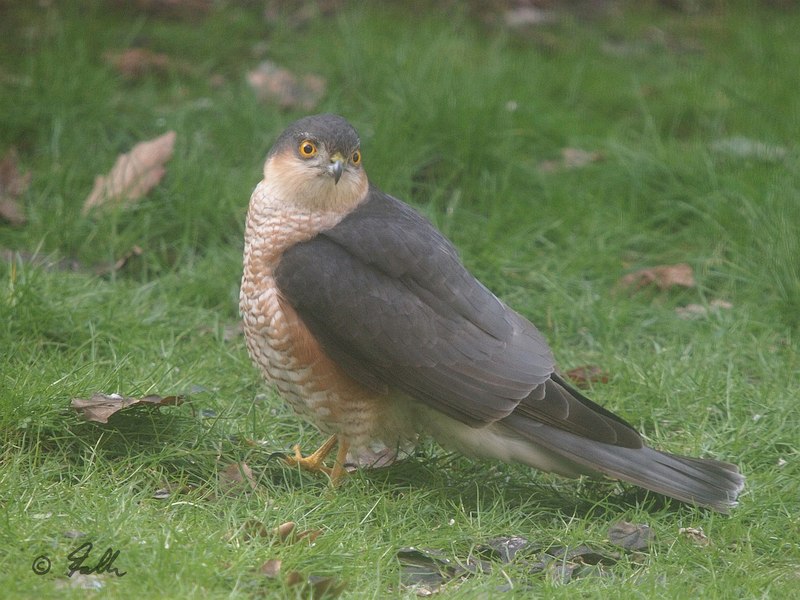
(283, 533)
(12, 185)
(696, 311)
(133, 175)
(284, 530)
(571, 158)
(293, 578)
(133, 63)
(424, 570)
(663, 277)
(315, 586)
(504, 548)
(271, 568)
(236, 476)
(630, 536)
(280, 86)
(696, 535)
(100, 407)
(586, 375)
(324, 587)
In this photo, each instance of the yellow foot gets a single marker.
(314, 461)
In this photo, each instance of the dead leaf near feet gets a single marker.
(585, 375)
(699, 311)
(664, 277)
(135, 63)
(504, 548)
(631, 536)
(13, 184)
(275, 85)
(425, 570)
(285, 533)
(571, 158)
(133, 175)
(236, 477)
(100, 407)
(271, 568)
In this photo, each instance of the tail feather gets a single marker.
(704, 482)
(623, 456)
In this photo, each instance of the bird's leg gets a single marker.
(313, 462)
(338, 467)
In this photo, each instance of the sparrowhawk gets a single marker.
(363, 316)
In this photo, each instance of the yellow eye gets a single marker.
(308, 149)
(356, 157)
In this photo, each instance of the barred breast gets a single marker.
(281, 345)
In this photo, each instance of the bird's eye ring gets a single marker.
(308, 149)
(356, 157)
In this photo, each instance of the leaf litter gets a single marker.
(236, 477)
(426, 571)
(100, 407)
(664, 277)
(133, 175)
(585, 375)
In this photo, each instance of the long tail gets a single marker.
(700, 481)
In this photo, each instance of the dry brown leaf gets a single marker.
(283, 531)
(663, 277)
(294, 577)
(133, 63)
(271, 568)
(236, 476)
(586, 375)
(272, 83)
(696, 311)
(631, 536)
(12, 185)
(695, 534)
(100, 407)
(133, 174)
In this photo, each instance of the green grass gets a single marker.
(649, 88)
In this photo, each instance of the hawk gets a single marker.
(362, 315)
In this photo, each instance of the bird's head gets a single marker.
(316, 163)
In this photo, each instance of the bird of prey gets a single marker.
(363, 316)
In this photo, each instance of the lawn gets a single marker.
(559, 157)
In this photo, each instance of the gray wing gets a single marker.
(391, 303)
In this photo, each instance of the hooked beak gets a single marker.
(337, 166)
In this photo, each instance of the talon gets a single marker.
(314, 462)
